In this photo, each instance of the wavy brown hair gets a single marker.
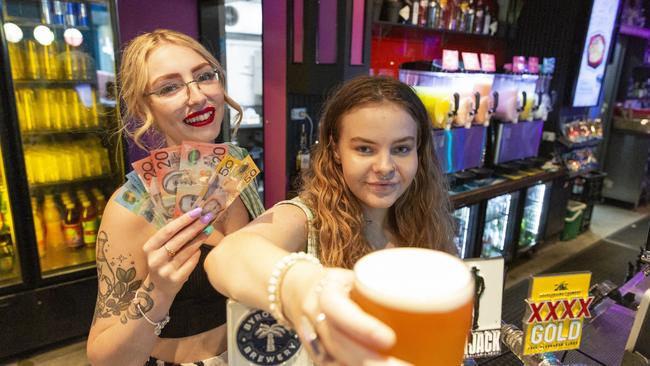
(421, 217)
(137, 119)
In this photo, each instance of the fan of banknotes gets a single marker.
(174, 180)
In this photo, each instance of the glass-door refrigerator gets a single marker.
(58, 87)
(533, 221)
(499, 225)
(465, 219)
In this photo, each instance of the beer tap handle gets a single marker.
(553, 100)
(477, 101)
(454, 112)
(539, 101)
(513, 338)
(495, 99)
(523, 105)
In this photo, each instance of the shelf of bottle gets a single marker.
(577, 145)
(31, 22)
(384, 27)
(52, 83)
(52, 185)
(634, 31)
(63, 133)
(62, 258)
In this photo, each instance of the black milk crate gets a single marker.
(588, 187)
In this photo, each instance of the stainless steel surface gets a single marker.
(627, 157)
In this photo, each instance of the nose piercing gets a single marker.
(385, 176)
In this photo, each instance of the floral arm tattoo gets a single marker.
(117, 285)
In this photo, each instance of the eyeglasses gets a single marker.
(206, 81)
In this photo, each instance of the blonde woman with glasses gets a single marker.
(155, 305)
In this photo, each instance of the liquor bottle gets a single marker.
(423, 13)
(443, 18)
(477, 27)
(487, 21)
(415, 12)
(454, 12)
(469, 15)
(72, 226)
(303, 158)
(434, 14)
(38, 228)
(462, 16)
(89, 223)
(405, 12)
(52, 218)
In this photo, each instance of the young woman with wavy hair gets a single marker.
(374, 183)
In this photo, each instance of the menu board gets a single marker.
(594, 53)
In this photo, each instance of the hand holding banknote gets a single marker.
(173, 181)
(173, 251)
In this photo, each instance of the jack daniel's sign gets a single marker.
(255, 338)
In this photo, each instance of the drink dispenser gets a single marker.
(543, 92)
(531, 102)
(489, 99)
(435, 90)
(510, 101)
(468, 98)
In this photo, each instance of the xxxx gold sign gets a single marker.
(556, 308)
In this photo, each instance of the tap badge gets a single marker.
(261, 340)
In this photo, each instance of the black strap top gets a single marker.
(198, 307)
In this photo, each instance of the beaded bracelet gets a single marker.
(158, 326)
(275, 283)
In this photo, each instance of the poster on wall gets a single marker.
(595, 52)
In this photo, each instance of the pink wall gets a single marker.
(140, 16)
(274, 53)
(136, 17)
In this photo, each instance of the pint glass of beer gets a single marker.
(425, 296)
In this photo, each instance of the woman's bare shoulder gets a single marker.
(119, 222)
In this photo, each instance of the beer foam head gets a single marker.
(414, 279)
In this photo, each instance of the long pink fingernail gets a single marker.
(195, 212)
(207, 217)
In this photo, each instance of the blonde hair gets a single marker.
(421, 217)
(133, 79)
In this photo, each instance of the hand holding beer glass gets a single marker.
(425, 296)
